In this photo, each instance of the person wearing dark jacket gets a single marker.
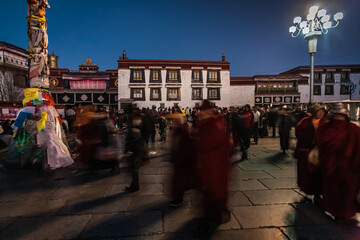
(134, 147)
(286, 122)
(272, 119)
(246, 125)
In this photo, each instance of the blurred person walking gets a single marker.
(308, 181)
(255, 128)
(338, 142)
(272, 117)
(246, 125)
(213, 156)
(286, 122)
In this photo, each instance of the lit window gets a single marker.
(155, 76)
(173, 94)
(138, 93)
(213, 76)
(137, 75)
(214, 93)
(197, 94)
(196, 75)
(173, 75)
(155, 94)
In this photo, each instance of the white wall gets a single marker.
(241, 95)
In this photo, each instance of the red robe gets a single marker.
(213, 153)
(339, 157)
(308, 181)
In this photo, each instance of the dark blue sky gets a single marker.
(253, 33)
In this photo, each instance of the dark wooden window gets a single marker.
(155, 94)
(196, 94)
(155, 76)
(344, 90)
(197, 76)
(317, 89)
(329, 77)
(214, 93)
(329, 90)
(137, 76)
(173, 94)
(318, 77)
(345, 76)
(137, 94)
(173, 76)
(213, 76)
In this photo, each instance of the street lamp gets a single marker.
(317, 22)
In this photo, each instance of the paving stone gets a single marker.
(269, 216)
(328, 232)
(282, 173)
(124, 224)
(246, 165)
(231, 225)
(280, 183)
(25, 194)
(150, 170)
(5, 222)
(109, 204)
(156, 237)
(250, 234)
(151, 189)
(315, 213)
(237, 199)
(246, 185)
(247, 175)
(146, 203)
(273, 196)
(87, 192)
(180, 219)
(30, 208)
(56, 227)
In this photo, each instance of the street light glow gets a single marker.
(303, 24)
(306, 30)
(338, 16)
(327, 25)
(325, 18)
(310, 16)
(292, 29)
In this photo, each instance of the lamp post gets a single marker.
(317, 23)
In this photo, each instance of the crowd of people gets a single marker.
(204, 140)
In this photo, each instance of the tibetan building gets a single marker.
(83, 86)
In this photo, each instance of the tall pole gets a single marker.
(311, 92)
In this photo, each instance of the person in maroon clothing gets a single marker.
(308, 181)
(247, 122)
(338, 142)
(213, 156)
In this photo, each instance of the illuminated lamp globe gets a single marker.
(292, 29)
(321, 13)
(325, 18)
(297, 20)
(310, 16)
(306, 30)
(327, 25)
(303, 24)
(313, 10)
(338, 16)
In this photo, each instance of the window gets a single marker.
(329, 77)
(155, 76)
(213, 76)
(344, 90)
(155, 94)
(173, 94)
(173, 76)
(345, 76)
(317, 89)
(214, 93)
(317, 77)
(137, 76)
(197, 75)
(137, 94)
(329, 90)
(196, 94)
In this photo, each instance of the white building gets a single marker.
(165, 83)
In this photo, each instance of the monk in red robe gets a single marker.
(308, 181)
(339, 160)
(213, 155)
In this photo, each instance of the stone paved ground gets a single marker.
(65, 204)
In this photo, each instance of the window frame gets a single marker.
(152, 94)
(211, 80)
(317, 77)
(196, 80)
(218, 97)
(317, 93)
(159, 79)
(330, 79)
(332, 89)
(342, 92)
(193, 97)
(132, 94)
(178, 98)
(170, 80)
(132, 80)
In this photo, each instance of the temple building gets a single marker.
(83, 86)
(167, 83)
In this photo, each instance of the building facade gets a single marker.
(87, 85)
(167, 83)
